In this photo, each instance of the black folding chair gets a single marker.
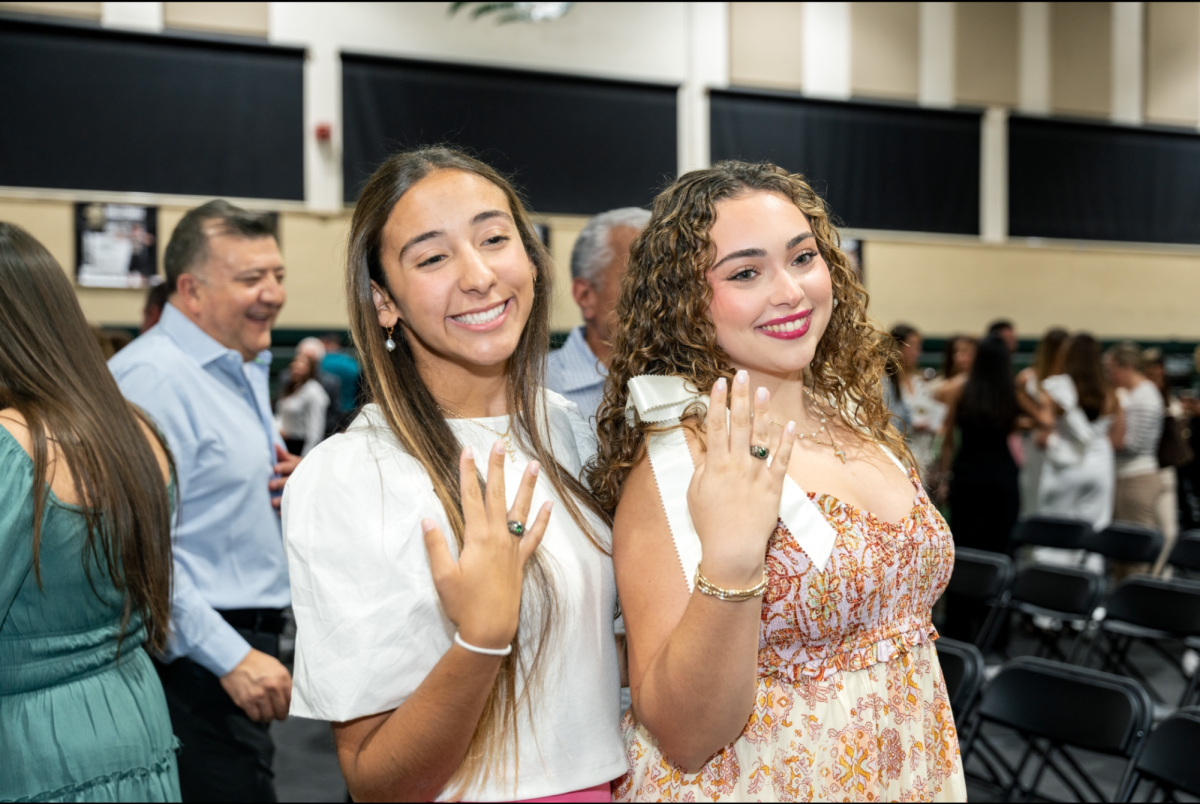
(1066, 594)
(1056, 707)
(1168, 758)
(1155, 612)
(1185, 555)
(1126, 542)
(983, 577)
(962, 669)
(1052, 531)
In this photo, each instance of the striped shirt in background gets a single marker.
(1143, 410)
(577, 374)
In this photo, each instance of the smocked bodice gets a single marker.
(871, 601)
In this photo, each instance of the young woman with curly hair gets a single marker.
(802, 665)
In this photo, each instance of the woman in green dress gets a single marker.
(85, 556)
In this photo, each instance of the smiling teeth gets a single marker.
(790, 326)
(481, 318)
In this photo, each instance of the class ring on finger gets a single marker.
(516, 528)
(759, 452)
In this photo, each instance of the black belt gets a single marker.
(267, 621)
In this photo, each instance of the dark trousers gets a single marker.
(226, 756)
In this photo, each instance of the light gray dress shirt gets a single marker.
(577, 374)
(213, 408)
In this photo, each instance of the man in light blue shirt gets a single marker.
(598, 261)
(201, 374)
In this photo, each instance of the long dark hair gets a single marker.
(52, 372)
(989, 396)
(951, 346)
(1080, 358)
(418, 423)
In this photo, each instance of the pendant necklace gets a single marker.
(813, 438)
(508, 445)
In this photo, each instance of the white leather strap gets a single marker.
(664, 400)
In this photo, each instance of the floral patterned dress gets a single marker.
(851, 703)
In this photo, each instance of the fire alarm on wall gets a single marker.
(324, 132)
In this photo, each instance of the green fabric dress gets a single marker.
(76, 722)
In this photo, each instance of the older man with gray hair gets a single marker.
(598, 261)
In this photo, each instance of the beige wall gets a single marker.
(986, 45)
(764, 45)
(313, 246)
(884, 52)
(1173, 63)
(1081, 58)
(945, 288)
(247, 19)
(88, 11)
(937, 286)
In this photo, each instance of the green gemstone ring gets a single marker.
(760, 452)
(516, 528)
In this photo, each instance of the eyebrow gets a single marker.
(758, 252)
(797, 240)
(478, 219)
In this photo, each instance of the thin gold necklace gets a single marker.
(508, 445)
(813, 438)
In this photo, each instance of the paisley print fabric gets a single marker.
(851, 703)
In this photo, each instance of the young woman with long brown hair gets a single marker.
(495, 676)
(85, 556)
(1077, 474)
(792, 657)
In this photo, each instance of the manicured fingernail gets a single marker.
(498, 448)
(761, 393)
(534, 468)
(468, 454)
(742, 377)
(721, 384)
(791, 428)
(427, 525)
(548, 507)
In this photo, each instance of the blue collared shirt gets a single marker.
(214, 409)
(577, 374)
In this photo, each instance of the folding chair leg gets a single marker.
(1015, 784)
(1044, 757)
(1129, 784)
(1133, 672)
(991, 757)
(1192, 688)
(1087, 780)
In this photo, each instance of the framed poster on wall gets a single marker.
(116, 245)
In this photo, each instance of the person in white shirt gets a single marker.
(598, 261)
(1142, 409)
(1079, 410)
(303, 402)
(460, 639)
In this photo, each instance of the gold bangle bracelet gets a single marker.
(707, 587)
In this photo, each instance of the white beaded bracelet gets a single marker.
(458, 640)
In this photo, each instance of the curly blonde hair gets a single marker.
(665, 327)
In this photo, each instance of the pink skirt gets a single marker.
(599, 793)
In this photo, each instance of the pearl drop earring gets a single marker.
(389, 343)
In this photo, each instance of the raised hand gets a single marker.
(734, 496)
(481, 592)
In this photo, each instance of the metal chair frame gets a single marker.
(1048, 641)
(1048, 754)
(1151, 750)
(1115, 638)
(996, 597)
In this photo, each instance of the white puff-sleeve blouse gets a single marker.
(370, 626)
